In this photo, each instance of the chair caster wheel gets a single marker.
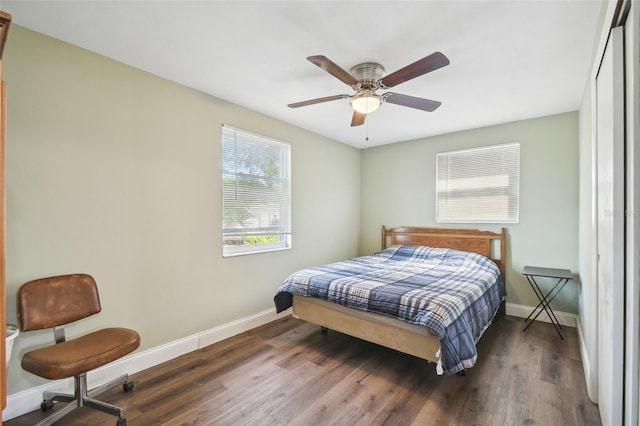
(127, 387)
(46, 405)
(122, 422)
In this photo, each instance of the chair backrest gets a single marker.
(51, 302)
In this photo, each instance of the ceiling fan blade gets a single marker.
(358, 119)
(333, 69)
(411, 101)
(317, 101)
(427, 64)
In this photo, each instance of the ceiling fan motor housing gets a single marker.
(368, 74)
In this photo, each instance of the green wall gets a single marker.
(116, 172)
(398, 189)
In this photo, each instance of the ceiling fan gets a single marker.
(368, 77)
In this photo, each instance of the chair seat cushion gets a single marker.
(82, 354)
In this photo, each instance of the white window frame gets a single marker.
(479, 185)
(257, 208)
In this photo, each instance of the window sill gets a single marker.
(249, 252)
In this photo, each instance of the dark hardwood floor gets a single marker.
(288, 373)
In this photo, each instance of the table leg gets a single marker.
(545, 303)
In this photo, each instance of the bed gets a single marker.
(449, 255)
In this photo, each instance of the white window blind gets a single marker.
(479, 185)
(256, 197)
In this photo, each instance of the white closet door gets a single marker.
(632, 154)
(610, 146)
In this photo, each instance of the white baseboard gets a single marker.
(523, 311)
(29, 400)
(586, 365)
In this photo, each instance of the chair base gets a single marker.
(84, 398)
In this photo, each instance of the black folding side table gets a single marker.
(562, 275)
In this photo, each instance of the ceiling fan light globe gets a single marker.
(365, 104)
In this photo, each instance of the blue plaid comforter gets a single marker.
(454, 293)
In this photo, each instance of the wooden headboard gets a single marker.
(471, 240)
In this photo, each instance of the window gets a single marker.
(256, 187)
(478, 185)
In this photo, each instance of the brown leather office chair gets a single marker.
(52, 303)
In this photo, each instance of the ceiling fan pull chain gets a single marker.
(366, 136)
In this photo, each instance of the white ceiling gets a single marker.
(510, 60)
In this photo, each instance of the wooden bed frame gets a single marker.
(393, 333)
